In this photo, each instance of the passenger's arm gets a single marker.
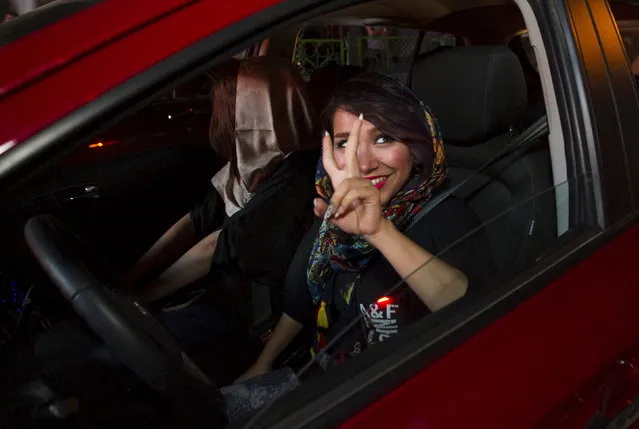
(192, 266)
(173, 243)
(286, 330)
(434, 281)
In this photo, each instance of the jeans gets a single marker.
(220, 348)
(200, 324)
(247, 397)
(214, 343)
(70, 354)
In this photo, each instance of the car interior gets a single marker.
(114, 196)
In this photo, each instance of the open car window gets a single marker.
(386, 318)
(383, 315)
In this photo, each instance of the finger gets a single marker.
(339, 193)
(352, 166)
(343, 189)
(327, 154)
(319, 207)
(355, 197)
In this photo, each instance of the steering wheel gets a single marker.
(138, 340)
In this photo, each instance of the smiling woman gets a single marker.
(393, 114)
(382, 165)
(378, 153)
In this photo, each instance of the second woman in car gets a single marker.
(258, 209)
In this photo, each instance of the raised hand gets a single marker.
(355, 205)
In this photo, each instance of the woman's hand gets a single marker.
(355, 206)
(336, 174)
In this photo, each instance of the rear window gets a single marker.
(436, 40)
(383, 49)
(41, 17)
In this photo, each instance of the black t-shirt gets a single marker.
(386, 314)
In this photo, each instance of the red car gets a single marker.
(552, 343)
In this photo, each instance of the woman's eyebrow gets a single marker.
(345, 134)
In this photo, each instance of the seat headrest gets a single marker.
(476, 92)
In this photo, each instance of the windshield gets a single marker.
(385, 49)
(41, 17)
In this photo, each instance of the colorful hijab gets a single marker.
(273, 118)
(335, 251)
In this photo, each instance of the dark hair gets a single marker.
(222, 127)
(389, 105)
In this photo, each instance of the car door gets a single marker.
(608, 399)
(523, 357)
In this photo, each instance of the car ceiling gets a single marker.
(413, 13)
(478, 21)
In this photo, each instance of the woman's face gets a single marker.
(386, 163)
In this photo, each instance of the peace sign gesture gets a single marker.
(351, 169)
(355, 206)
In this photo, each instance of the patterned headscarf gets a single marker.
(335, 251)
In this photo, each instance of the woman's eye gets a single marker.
(383, 139)
(340, 144)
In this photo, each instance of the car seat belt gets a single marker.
(536, 130)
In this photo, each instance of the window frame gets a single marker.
(601, 126)
(615, 49)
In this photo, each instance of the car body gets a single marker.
(555, 347)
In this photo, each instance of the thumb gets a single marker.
(319, 207)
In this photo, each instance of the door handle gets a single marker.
(53, 201)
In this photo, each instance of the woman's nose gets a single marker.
(366, 158)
